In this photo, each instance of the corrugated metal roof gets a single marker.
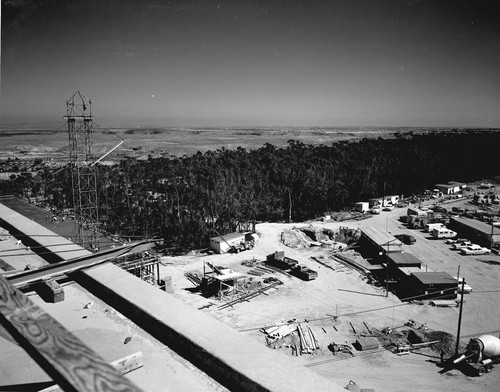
(484, 228)
(435, 278)
(228, 237)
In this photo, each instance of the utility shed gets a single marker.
(433, 285)
(223, 243)
(477, 231)
(380, 240)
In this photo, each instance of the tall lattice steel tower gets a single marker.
(83, 170)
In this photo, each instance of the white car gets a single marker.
(467, 288)
(460, 245)
(475, 250)
(388, 207)
(375, 210)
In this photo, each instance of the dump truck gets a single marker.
(481, 354)
(304, 273)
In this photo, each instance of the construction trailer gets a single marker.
(362, 206)
(478, 232)
(232, 242)
(429, 285)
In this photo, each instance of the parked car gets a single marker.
(406, 239)
(376, 210)
(454, 240)
(460, 245)
(388, 207)
(467, 288)
(439, 209)
(475, 250)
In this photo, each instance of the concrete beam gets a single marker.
(64, 357)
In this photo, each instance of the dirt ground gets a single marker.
(338, 291)
(342, 291)
(142, 142)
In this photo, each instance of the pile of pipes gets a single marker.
(308, 341)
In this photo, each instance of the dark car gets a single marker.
(406, 239)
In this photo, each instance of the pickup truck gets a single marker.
(474, 250)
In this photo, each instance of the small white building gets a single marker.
(362, 206)
(223, 243)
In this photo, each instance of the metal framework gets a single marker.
(83, 171)
(142, 265)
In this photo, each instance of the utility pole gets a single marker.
(83, 170)
(460, 318)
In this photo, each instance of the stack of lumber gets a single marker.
(278, 332)
(308, 341)
(259, 270)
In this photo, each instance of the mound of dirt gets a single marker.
(295, 238)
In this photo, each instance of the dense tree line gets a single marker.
(186, 200)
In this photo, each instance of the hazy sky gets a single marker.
(213, 63)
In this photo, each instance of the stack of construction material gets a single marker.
(193, 277)
(278, 332)
(308, 341)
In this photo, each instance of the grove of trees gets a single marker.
(189, 199)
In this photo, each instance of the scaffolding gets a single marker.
(142, 265)
(83, 171)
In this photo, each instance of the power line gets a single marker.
(360, 311)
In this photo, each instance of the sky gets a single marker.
(419, 63)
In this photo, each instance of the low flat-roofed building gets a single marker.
(428, 285)
(403, 259)
(479, 232)
(450, 187)
(383, 242)
(223, 243)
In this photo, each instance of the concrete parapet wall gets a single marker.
(230, 357)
